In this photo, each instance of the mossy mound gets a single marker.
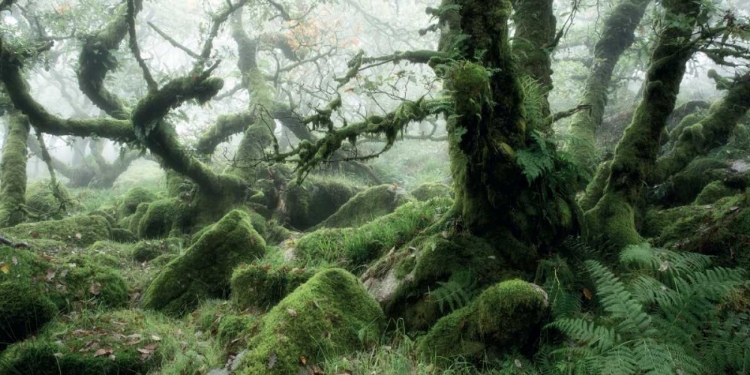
(112, 343)
(81, 230)
(161, 218)
(353, 248)
(132, 222)
(368, 205)
(715, 191)
(145, 251)
(433, 274)
(431, 190)
(205, 269)
(684, 187)
(329, 315)
(41, 200)
(263, 286)
(132, 199)
(721, 229)
(314, 200)
(220, 319)
(505, 318)
(82, 281)
(24, 309)
(110, 219)
(123, 235)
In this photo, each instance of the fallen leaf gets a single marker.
(100, 352)
(5, 267)
(587, 294)
(95, 288)
(303, 360)
(291, 312)
(50, 274)
(155, 338)
(15, 260)
(34, 235)
(78, 236)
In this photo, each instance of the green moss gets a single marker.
(683, 187)
(220, 319)
(504, 318)
(713, 192)
(331, 314)
(161, 218)
(205, 269)
(123, 235)
(132, 199)
(613, 218)
(80, 230)
(145, 251)
(24, 309)
(431, 190)
(110, 219)
(70, 344)
(71, 283)
(133, 221)
(355, 247)
(41, 200)
(368, 205)
(315, 199)
(13, 171)
(263, 286)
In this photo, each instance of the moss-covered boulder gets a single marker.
(715, 191)
(132, 199)
(205, 269)
(505, 318)
(145, 251)
(132, 222)
(368, 205)
(263, 286)
(84, 283)
(24, 309)
(112, 343)
(329, 315)
(41, 199)
(161, 218)
(81, 230)
(316, 199)
(122, 235)
(431, 190)
(354, 247)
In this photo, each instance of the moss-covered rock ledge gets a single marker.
(205, 270)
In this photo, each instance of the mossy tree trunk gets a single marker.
(13, 172)
(614, 215)
(617, 35)
(712, 131)
(533, 42)
(494, 198)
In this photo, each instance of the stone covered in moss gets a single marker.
(315, 199)
(112, 343)
(431, 190)
(24, 309)
(355, 247)
(123, 235)
(81, 230)
(161, 218)
(41, 199)
(205, 269)
(504, 318)
(132, 222)
(132, 199)
(715, 191)
(329, 315)
(368, 205)
(263, 286)
(145, 251)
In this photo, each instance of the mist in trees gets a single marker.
(374, 187)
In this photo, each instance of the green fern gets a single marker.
(659, 316)
(457, 292)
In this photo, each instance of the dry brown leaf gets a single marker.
(50, 274)
(291, 312)
(155, 338)
(34, 235)
(587, 294)
(95, 288)
(15, 260)
(100, 352)
(4, 267)
(303, 360)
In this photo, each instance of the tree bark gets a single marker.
(13, 172)
(617, 36)
(615, 213)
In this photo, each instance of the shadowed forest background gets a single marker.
(374, 187)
